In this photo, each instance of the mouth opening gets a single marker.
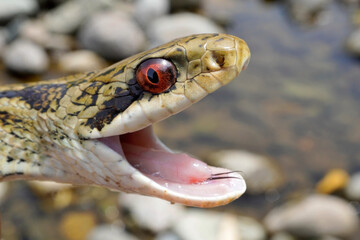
(175, 172)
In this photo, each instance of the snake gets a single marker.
(95, 128)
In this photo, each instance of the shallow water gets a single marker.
(298, 101)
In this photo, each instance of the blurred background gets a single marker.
(290, 122)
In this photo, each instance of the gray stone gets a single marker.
(36, 31)
(68, 17)
(151, 213)
(80, 61)
(112, 35)
(146, 11)
(12, 8)
(353, 43)
(198, 224)
(211, 225)
(109, 232)
(314, 216)
(260, 173)
(352, 189)
(25, 57)
(309, 12)
(169, 27)
(221, 11)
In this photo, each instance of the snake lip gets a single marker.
(176, 177)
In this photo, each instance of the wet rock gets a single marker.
(314, 216)
(109, 232)
(25, 57)
(353, 43)
(334, 180)
(352, 190)
(112, 35)
(146, 11)
(68, 17)
(77, 225)
(221, 11)
(169, 27)
(259, 172)
(151, 213)
(210, 225)
(12, 8)
(37, 32)
(309, 12)
(80, 61)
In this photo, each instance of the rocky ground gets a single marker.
(40, 39)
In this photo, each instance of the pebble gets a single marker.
(309, 12)
(334, 180)
(36, 31)
(173, 26)
(80, 61)
(12, 8)
(198, 224)
(77, 225)
(113, 35)
(353, 43)
(314, 216)
(146, 11)
(109, 232)
(352, 190)
(221, 11)
(260, 173)
(25, 57)
(151, 213)
(68, 17)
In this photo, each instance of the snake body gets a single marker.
(66, 129)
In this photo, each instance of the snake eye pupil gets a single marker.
(156, 75)
(153, 76)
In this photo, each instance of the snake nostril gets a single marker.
(219, 58)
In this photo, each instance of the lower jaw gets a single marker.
(175, 177)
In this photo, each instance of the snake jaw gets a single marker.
(215, 61)
(191, 185)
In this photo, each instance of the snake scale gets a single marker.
(95, 128)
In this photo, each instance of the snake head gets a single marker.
(109, 115)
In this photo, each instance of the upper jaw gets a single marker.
(208, 193)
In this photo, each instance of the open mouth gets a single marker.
(176, 174)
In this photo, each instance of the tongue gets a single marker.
(173, 167)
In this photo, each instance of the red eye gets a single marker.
(156, 75)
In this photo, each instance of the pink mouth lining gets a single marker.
(175, 171)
